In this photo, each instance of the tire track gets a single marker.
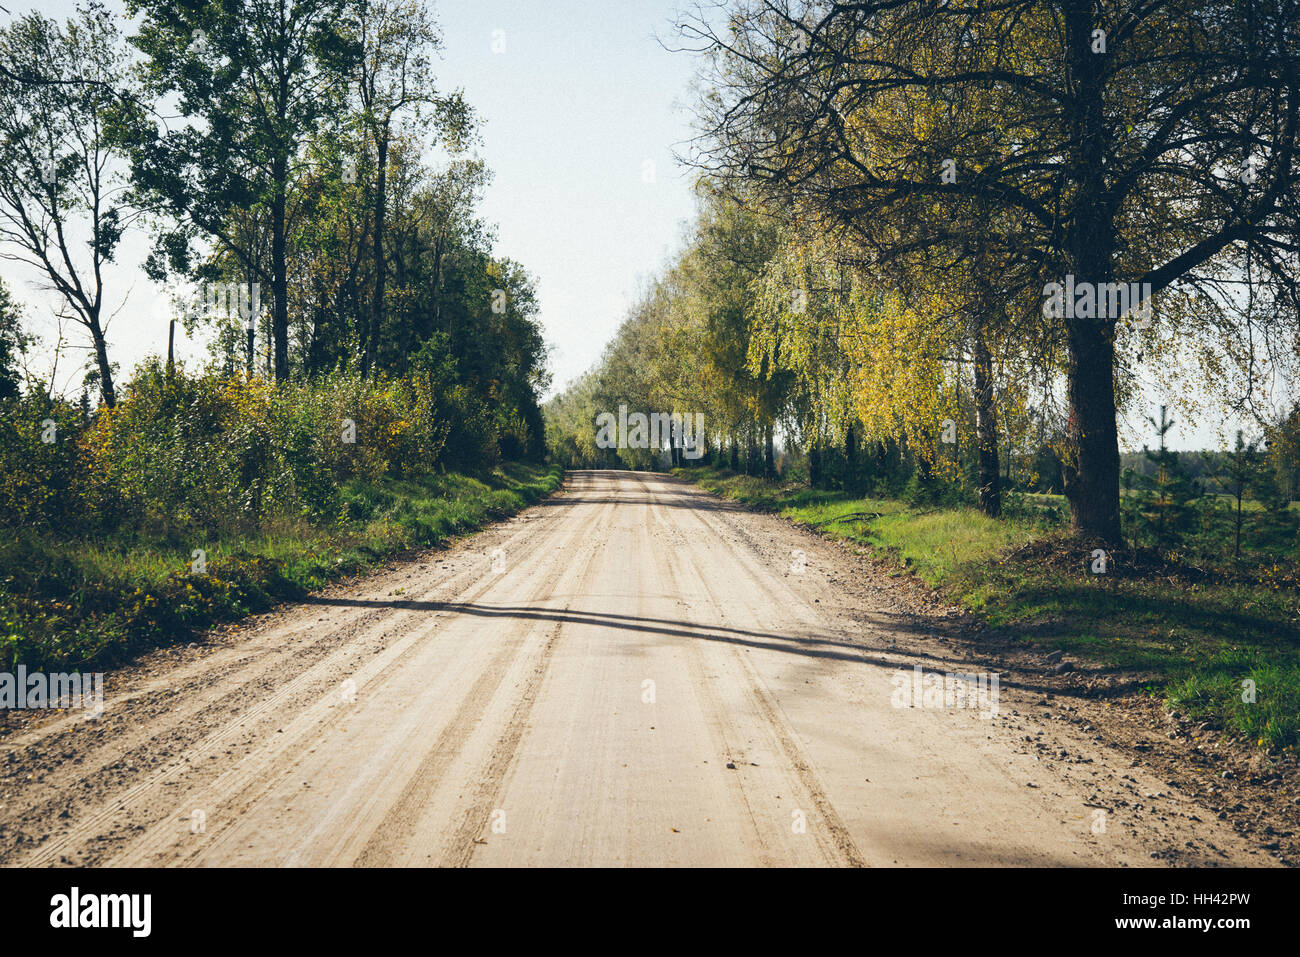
(459, 848)
(103, 823)
(396, 826)
(260, 772)
(722, 729)
(841, 842)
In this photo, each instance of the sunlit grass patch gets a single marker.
(74, 602)
(1198, 637)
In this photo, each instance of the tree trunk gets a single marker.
(405, 331)
(101, 360)
(377, 303)
(769, 458)
(280, 276)
(986, 431)
(251, 329)
(851, 459)
(1236, 544)
(1092, 479)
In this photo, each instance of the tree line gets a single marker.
(956, 235)
(299, 159)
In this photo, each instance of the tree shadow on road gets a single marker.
(814, 646)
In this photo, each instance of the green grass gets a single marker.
(84, 603)
(1193, 629)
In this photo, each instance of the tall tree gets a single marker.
(254, 79)
(63, 200)
(398, 40)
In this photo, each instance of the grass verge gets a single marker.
(1210, 638)
(84, 603)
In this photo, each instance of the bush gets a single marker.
(183, 452)
(38, 478)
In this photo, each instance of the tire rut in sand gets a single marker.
(103, 826)
(459, 848)
(838, 844)
(396, 827)
(260, 772)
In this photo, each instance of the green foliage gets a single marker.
(685, 347)
(39, 479)
(183, 453)
(12, 343)
(1282, 439)
(1218, 694)
(89, 601)
(1164, 503)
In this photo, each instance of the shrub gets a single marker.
(38, 478)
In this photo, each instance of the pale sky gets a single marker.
(580, 110)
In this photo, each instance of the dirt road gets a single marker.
(642, 675)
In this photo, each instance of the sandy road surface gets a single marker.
(640, 676)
